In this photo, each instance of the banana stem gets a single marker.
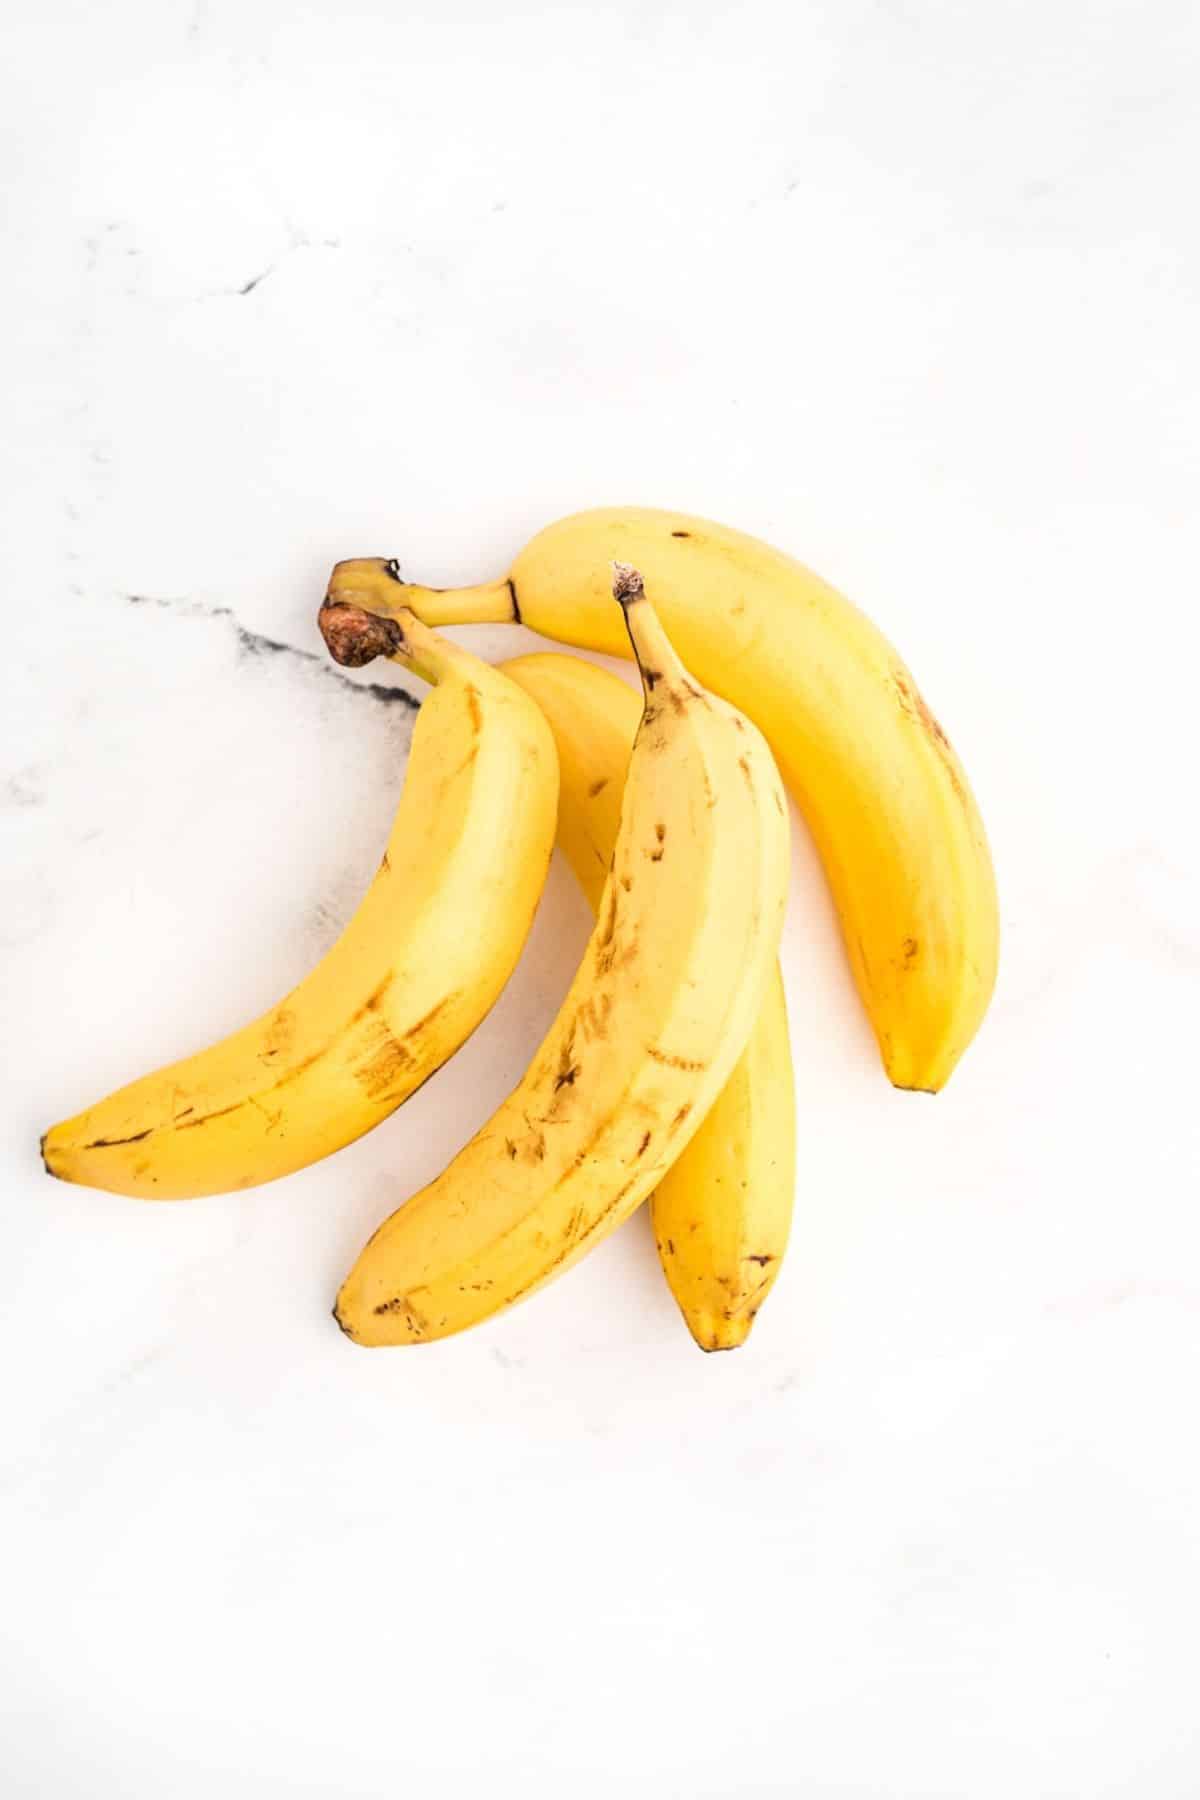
(653, 649)
(373, 582)
(490, 603)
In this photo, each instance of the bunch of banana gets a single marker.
(872, 771)
(668, 1070)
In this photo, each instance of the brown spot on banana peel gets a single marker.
(392, 1059)
(670, 1060)
(597, 787)
(587, 1018)
(574, 1245)
(280, 1033)
(583, 1152)
(610, 923)
(386, 1061)
(593, 1015)
(274, 1119)
(302, 1067)
(750, 1302)
(292, 1074)
(531, 1148)
(913, 705)
(427, 1019)
(621, 958)
(371, 1003)
(474, 708)
(108, 1143)
(465, 764)
(605, 945)
(574, 1223)
(220, 1112)
(399, 1305)
(568, 1068)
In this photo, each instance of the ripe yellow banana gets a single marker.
(883, 793)
(722, 1211)
(658, 1014)
(420, 963)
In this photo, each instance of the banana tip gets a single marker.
(714, 1332)
(46, 1164)
(341, 1323)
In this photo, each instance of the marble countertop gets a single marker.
(909, 289)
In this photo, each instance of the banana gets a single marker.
(655, 1019)
(416, 969)
(874, 775)
(722, 1211)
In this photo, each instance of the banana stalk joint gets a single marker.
(355, 636)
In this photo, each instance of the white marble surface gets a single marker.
(909, 288)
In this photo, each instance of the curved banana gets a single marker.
(722, 1211)
(883, 793)
(658, 1013)
(420, 963)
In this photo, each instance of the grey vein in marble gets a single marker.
(256, 643)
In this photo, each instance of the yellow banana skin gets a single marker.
(659, 1012)
(883, 793)
(417, 967)
(722, 1211)
(722, 1214)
